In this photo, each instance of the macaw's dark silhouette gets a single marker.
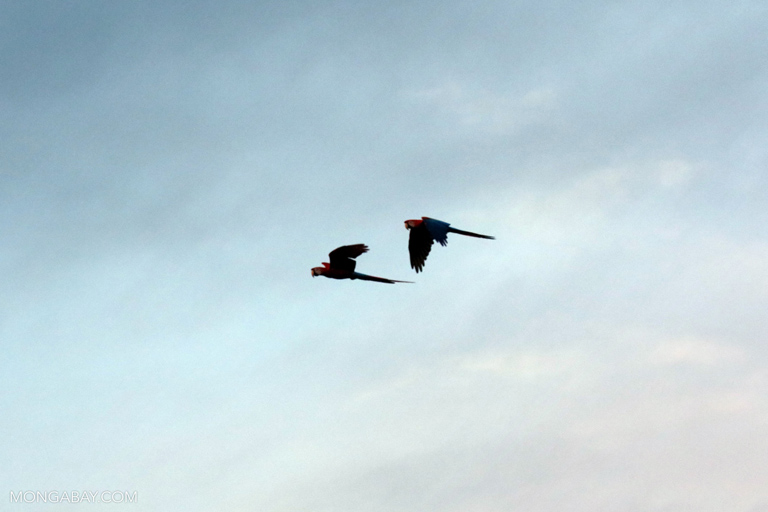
(423, 234)
(342, 265)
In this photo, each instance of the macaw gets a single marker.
(342, 265)
(424, 232)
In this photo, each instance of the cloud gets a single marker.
(487, 110)
(525, 366)
(675, 173)
(692, 351)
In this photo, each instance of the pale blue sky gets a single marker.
(170, 171)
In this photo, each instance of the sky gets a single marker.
(171, 170)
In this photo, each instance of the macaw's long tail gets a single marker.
(469, 233)
(366, 277)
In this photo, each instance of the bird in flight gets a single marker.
(424, 232)
(342, 265)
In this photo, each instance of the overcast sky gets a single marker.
(171, 170)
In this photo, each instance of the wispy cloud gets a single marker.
(697, 352)
(486, 110)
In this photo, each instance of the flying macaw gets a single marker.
(342, 265)
(424, 232)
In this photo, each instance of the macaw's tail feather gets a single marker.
(366, 277)
(469, 233)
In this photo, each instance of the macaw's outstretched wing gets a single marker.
(365, 277)
(342, 257)
(419, 245)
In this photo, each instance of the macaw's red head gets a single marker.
(318, 271)
(412, 223)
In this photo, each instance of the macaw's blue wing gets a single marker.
(437, 229)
